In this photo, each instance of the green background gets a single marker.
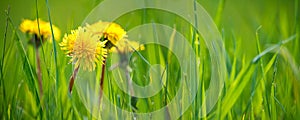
(266, 89)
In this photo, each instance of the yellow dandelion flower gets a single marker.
(26, 26)
(109, 31)
(68, 41)
(32, 27)
(88, 50)
(126, 46)
(114, 33)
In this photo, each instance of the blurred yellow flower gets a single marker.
(27, 26)
(32, 27)
(108, 31)
(84, 48)
(126, 46)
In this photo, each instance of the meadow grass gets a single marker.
(261, 39)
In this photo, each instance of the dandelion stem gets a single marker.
(102, 79)
(38, 62)
(72, 79)
(39, 73)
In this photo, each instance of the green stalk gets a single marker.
(273, 92)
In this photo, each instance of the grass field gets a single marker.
(261, 79)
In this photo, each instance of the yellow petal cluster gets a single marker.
(68, 41)
(40, 28)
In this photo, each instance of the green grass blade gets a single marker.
(236, 89)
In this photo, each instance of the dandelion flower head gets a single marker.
(39, 28)
(108, 31)
(84, 48)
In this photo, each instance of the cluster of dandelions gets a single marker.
(39, 32)
(90, 45)
(87, 46)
